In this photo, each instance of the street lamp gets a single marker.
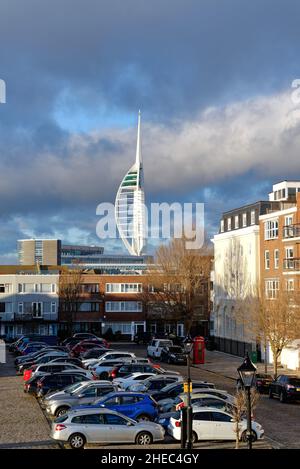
(188, 346)
(247, 374)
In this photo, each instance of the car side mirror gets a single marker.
(129, 424)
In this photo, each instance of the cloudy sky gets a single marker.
(211, 77)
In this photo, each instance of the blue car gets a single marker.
(138, 406)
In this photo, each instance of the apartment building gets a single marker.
(257, 245)
(39, 251)
(28, 301)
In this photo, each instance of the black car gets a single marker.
(30, 386)
(73, 360)
(286, 387)
(262, 382)
(174, 354)
(174, 389)
(143, 337)
(57, 381)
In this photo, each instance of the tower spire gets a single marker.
(138, 157)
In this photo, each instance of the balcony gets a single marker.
(291, 231)
(32, 317)
(292, 263)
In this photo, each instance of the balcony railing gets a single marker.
(291, 231)
(34, 317)
(292, 263)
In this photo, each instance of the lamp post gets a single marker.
(247, 374)
(188, 346)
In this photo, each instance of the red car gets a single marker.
(85, 345)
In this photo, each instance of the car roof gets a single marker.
(94, 410)
(209, 409)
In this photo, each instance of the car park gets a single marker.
(173, 354)
(137, 406)
(286, 388)
(60, 403)
(156, 345)
(213, 424)
(103, 426)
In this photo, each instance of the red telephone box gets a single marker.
(199, 350)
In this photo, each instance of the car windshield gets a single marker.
(169, 387)
(73, 387)
(294, 381)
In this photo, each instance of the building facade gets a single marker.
(39, 251)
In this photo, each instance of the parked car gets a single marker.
(116, 355)
(60, 403)
(286, 387)
(173, 354)
(143, 337)
(56, 368)
(71, 342)
(94, 352)
(205, 400)
(262, 382)
(48, 357)
(73, 360)
(137, 406)
(104, 369)
(133, 378)
(155, 383)
(30, 386)
(97, 340)
(212, 424)
(103, 426)
(156, 345)
(125, 369)
(56, 381)
(25, 348)
(174, 389)
(84, 335)
(82, 347)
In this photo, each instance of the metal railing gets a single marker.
(292, 263)
(291, 231)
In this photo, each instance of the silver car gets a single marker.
(59, 403)
(103, 426)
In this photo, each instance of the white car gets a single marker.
(115, 355)
(155, 383)
(212, 424)
(156, 345)
(59, 367)
(134, 378)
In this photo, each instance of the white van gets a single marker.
(156, 346)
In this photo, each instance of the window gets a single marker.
(244, 219)
(90, 288)
(252, 217)
(229, 224)
(236, 221)
(112, 419)
(5, 288)
(2, 307)
(123, 306)
(222, 226)
(92, 419)
(267, 260)
(53, 307)
(271, 288)
(271, 229)
(290, 284)
(123, 287)
(125, 328)
(37, 309)
(202, 416)
(289, 257)
(276, 259)
(288, 220)
(219, 417)
(20, 308)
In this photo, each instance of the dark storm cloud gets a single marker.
(212, 78)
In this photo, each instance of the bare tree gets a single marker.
(69, 293)
(240, 409)
(275, 321)
(176, 282)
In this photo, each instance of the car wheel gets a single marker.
(144, 438)
(61, 411)
(77, 441)
(194, 437)
(282, 397)
(143, 418)
(270, 394)
(104, 375)
(244, 436)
